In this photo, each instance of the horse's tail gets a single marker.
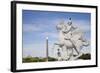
(86, 43)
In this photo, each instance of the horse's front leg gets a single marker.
(63, 54)
(66, 53)
(69, 53)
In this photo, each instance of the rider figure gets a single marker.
(70, 27)
(69, 32)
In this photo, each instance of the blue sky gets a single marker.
(37, 25)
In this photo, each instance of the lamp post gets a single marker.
(47, 48)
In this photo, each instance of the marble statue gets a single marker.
(70, 37)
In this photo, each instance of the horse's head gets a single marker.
(60, 26)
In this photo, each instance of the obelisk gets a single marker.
(46, 48)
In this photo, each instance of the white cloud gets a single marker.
(38, 50)
(31, 28)
(35, 50)
(50, 34)
(83, 25)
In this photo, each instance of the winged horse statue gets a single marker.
(70, 37)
